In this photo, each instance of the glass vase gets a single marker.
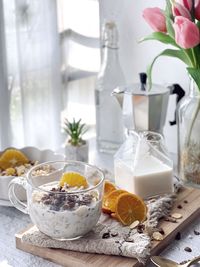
(188, 116)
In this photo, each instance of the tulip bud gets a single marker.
(179, 10)
(186, 3)
(197, 9)
(186, 32)
(155, 18)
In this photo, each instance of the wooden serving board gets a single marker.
(66, 258)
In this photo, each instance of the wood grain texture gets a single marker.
(189, 210)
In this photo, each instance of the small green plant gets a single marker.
(75, 130)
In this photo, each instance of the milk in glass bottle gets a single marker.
(109, 123)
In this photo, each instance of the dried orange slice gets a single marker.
(73, 179)
(110, 200)
(130, 208)
(106, 210)
(108, 187)
(12, 158)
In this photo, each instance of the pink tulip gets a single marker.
(155, 18)
(186, 32)
(186, 3)
(179, 10)
(197, 9)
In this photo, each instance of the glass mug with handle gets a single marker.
(64, 198)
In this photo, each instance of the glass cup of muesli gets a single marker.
(64, 199)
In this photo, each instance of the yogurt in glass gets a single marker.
(62, 212)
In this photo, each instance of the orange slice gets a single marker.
(108, 187)
(73, 179)
(106, 210)
(130, 208)
(12, 158)
(110, 200)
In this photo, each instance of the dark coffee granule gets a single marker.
(188, 249)
(179, 207)
(185, 201)
(72, 198)
(106, 235)
(184, 262)
(114, 234)
(86, 200)
(47, 202)
(140, 228)
(196, 232)
(161, 231)
(178, 236)
(53, 189)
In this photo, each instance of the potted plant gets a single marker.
(75, 147)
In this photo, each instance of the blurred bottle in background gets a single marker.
(109, 123)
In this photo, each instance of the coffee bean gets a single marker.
(140, 228)
(161, 231)
(106, 235)
(114, 234)
(188, 249)
(178, 236)
(196, 232)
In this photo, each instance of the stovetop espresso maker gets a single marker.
(145, 109)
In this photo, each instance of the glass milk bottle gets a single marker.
(142, 165)
(109, 123)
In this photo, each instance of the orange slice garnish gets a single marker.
(73, 179)
(109, 202)
(108, 187)
(12, 158)
(130, 208)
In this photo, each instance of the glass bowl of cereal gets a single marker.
(65, 203)
(17, 162)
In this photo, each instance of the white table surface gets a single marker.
(12, 221)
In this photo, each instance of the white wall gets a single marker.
(135, 57)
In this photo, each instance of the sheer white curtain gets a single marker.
(33, 73)
(79, 31)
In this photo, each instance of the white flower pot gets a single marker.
(79, 153)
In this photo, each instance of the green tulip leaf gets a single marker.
(195, 74)
(169, 53)
(161, 37)
(169, 19)
(169, 25)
